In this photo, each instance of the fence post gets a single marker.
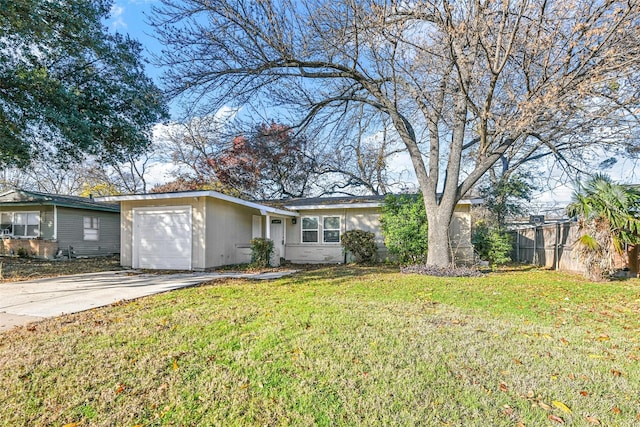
(534, 258)
(557, 266)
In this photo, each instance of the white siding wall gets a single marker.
(367, 220)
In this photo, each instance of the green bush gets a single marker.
(261, 250)
(23, 253)
(361, 244)
(492, 244)
(404, 225)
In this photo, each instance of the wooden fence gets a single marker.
(550, 245)
(553, 246)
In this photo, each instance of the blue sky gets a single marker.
(131, 16)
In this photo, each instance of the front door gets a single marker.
(277, 235)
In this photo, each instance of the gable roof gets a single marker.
(35, 198)
(263, 208)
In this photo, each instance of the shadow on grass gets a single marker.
(336, 274)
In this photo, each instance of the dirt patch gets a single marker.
(14, 268)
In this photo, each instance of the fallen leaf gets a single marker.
(545, 406)
(561, 406)
(616, 373)
(175, 364)
(616, 410)
(593, 420)
(584, 393)
(120, 388)
(517, 361)
(76, 424)
(564, 341)
(503, 387)
(556, 419)
(603, 338)
(571, 377)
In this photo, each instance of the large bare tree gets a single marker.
(475, 80)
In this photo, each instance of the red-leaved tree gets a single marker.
(269, 163)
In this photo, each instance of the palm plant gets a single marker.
(609, 218)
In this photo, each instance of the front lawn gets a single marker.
(13, 268)
(338, 346)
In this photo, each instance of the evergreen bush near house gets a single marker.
(404, 225)
(491, 244)
(361, 244)
(261, 250)
(22, 253)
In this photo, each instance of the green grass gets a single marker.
(338, 346)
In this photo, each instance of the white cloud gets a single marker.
(117, 21)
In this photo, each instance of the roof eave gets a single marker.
(264, 209)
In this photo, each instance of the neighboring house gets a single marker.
(44, 225)
(203, 229)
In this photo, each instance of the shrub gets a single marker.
(492, 244)
(433, 270)
(22, 253)
(404, 225)
(261, 250)
(361, 244)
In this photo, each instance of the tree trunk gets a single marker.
(439, 246)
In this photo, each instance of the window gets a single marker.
(6, 223)
(310, 229)
(20, 224)
(331, 229)
(91, 227)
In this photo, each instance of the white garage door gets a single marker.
(162, 238)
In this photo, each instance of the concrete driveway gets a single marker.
(25, 302)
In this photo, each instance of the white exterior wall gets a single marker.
(229, 233)
(367, 219)
(460, 234)
(197, 241)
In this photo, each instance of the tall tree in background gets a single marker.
(272, 162)
(69, 87)
(361, 162)
(473, 79)
(89, 176)
(506, 196)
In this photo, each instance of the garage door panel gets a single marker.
(163, 238)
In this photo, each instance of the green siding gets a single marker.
(71, 232)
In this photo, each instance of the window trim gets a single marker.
(320, 229)
(339, 229)
(90, 237)
(26, 225)
(317, 229)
